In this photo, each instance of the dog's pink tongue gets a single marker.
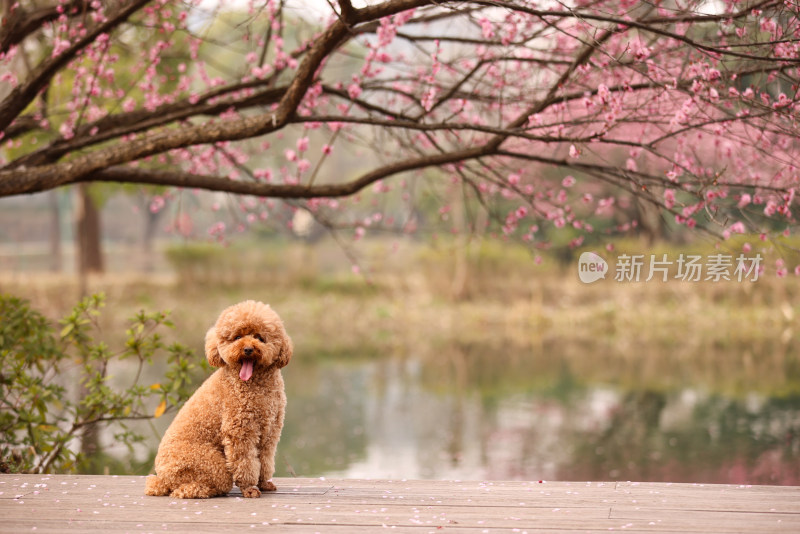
(247, 370)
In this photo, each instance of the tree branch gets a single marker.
(216, 183)
(53, 175)
(348, 12)
(651, 26)
(122, 124)
(20, 23)
(22, 95)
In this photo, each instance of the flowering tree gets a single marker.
(549, 114)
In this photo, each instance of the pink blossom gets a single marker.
(66, 131)
(640, 50)
(568, 181)
(573, 152)
(429, 98)
(513, 179)
(302, 144)
(747, 247)
(290, 154)
(603, 93)
(157, 204)
(217, 229)
(327, 149)
(354, 90)
(9, 78)
(737, 228)
(744, 200)
(669, 198)
(264, 174)
(486, 28)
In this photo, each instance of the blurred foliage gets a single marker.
(202, 264)
(273, 262)
(41, 366)
(491, 268)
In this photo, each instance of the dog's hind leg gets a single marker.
(198, 474)
(194, 490)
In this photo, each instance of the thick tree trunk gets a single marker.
(90, 261)
(148, 239)
(90, 254)
(55, 232)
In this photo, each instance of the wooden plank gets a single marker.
(51, 527)
(705, 521)
(69, 504)
(12, 486)
(739, 503)
(711, 497)
(210, 528)
(705, 489)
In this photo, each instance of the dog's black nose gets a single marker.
(248, 351)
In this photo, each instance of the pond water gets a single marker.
(548, 412)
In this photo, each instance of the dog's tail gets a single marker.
(155, 487)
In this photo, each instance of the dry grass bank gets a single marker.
(508, 307)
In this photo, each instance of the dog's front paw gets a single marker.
(252, 492)
(267, 486)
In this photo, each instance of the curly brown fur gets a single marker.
(227, 432)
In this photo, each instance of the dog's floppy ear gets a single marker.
(286, 350)
(212, 348)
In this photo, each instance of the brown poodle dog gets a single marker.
(227, 432)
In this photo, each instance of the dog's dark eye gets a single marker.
(258, 337)
(237, 338)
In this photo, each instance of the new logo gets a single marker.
(591, 267)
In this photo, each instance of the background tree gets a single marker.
(552, 117)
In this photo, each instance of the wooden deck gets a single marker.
(59, 503)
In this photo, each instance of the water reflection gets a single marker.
(544, 412)
(471, 414)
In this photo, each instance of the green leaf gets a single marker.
(67, 329)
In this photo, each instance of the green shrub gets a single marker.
(56, 385)
(243, 263)
(197, 263)
(490, 268)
